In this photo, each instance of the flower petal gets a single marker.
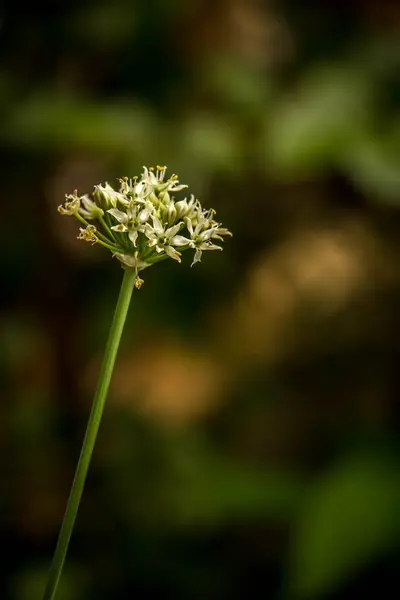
(173, 253)
(207, 234)
(121, 228)
(223, 231)
(200, 225)
(173, 230)
(133, 235)
(180, 240)
(131, 211)
(120, 216)
(177, 188)
(209, 246)
(146, 212)
(158, 228)
(181, 208)
(138, 188)
(197, 257)
(189, 225)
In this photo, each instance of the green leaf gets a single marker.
(351, 516)
(311, 127)
(372, 162)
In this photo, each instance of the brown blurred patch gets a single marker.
(170, 382)
(38, 505)
(247, 29)
(315, 274)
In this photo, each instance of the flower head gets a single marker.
(141, 223)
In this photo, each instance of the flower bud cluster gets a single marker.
(142, 223)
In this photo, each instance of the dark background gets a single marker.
(249, 446)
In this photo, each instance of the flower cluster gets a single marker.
(142, 223)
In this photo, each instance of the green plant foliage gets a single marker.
(349, 517)
(237, 380)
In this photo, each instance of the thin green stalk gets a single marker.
(91, 433)
(109, 246)
(108, 229)
(98, 233)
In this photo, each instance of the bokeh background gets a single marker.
(249, 445)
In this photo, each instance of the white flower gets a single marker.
(133, 220)
(202, 234)
(156, 180)
(163, 239)
(142, 190)
(131, 189)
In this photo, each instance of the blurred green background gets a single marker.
(249, 444)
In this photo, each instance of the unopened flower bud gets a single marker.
(181, 208)
(89, 209)
(169, 214)
(106, 197)
(165, 198)
(154, 199)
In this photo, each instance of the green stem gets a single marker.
(108, 245)
(91, 433)
(108, 229)
(98, 233)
